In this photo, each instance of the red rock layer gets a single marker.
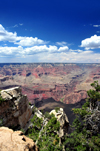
(67, 83)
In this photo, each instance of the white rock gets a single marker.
(63, 119)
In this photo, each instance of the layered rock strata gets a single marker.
(66, 83)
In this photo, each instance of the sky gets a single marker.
(65, 31)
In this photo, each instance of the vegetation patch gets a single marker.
(49, 139)
(83, 137)
(61, 100)
(57, 109)
(1, 122)
(1, 99)
(33, 132)
(45, 135)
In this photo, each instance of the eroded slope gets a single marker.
(67, 83)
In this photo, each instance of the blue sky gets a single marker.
(50, 31)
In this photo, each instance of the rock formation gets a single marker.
(62, 118)
(15, 109)
(15, 141)
(42, 81)
(16, 113)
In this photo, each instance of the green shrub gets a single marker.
(34, 109)
(94, 95)
(82, 139)
(49, 140)
(1, 122)
(47, 115)
(1, 99)
(57, 109)
(30, 103)
(42, 111)
(22, 130)
(33, 132)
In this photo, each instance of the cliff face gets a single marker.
(15, 109)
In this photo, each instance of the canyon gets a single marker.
(48, 86)
(62, 82)
(18, 114)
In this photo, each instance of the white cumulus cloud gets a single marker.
(10, 51)
(30, 49)
(22, 41)
(19, 51)
(7, 36)
(49, 54)
(91, 43)
(71, 57)
(29, 41)
(40, 49)
(63, 49)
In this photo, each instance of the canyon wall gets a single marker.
(66, 83)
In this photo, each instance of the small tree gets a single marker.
(49, 139)
(1, 99)
(94, 95)
(84, 138)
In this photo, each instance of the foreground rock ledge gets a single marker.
(15, 141)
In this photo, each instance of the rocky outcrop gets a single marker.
(15, 109)
(15, 141)
(75, 97)
(62, 118)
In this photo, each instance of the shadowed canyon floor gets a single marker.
(46, 105)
